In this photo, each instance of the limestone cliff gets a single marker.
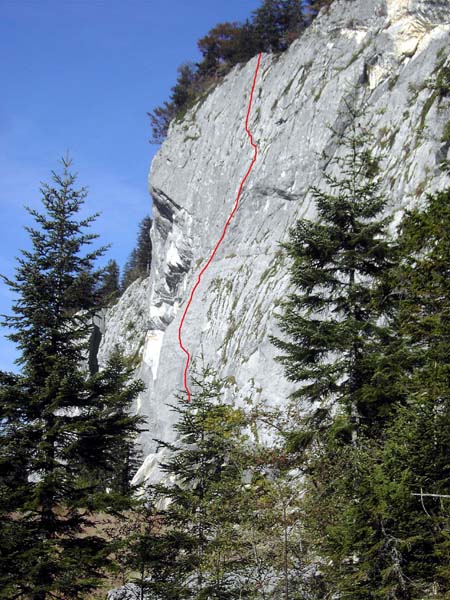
(391, 52)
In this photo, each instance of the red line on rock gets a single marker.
(213, 253)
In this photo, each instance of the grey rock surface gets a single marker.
(126, 592)
(124, 325)
(387, 50)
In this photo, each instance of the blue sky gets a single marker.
(80, 76)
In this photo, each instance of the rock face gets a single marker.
(390, 52)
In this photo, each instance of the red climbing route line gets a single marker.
(235, 207)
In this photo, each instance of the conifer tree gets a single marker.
(415, 456)
(267, 25)
(340, 340)
(109, 289)
(292, 21)
(277, 23)
(270, 526)
(218, 48)
(144, 247)
(246, 44)
(130, 271)
(60, 426)
(140, 259)
(195, 552)
(160, 119)
(331, 319)
(184, 89)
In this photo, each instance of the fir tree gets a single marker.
(144, 247)
(415, 456)
(246, 45)
(340, 343)
(182, 94)
(277, 23)
(184, 89)
(195, 553)
(220, 49)
(267, 25)
(60, 426)
(109, 289)
(292, 21)
(130, 272)
(160, 119)
(331, 318)
(140, 259)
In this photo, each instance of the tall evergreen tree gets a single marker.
(292, 21)
(109, 288)
(195, 553)
(144, 247)
(220, 49)
(184, 89)
(59, 425)
(140, 259)
(416, 454)
(331, 318)
(130, 272)
(160, 119)
(267, 25)
(385, 525)
(277, 23)
(340, 340)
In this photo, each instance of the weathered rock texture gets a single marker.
(389, 51)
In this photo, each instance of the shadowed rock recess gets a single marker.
(389, 51)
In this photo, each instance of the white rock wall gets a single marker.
(387, 50)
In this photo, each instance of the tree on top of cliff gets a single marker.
(182, 94)
(277, 23)
(144, 246)
(271, 28)
(218, 48)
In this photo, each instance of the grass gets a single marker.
(287, 88)
(272, 269)
(446, 133)
(442, 81)
(425, 110)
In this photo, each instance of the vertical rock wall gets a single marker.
(390, 52)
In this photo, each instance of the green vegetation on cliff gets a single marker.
(271, 28)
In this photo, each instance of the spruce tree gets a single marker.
(195, 553)
(246, 44)
(267, 26)
(277, 23)
(60, 426)
(144, 247)
(292, 21)
(140, 260)
(184, 89)
(415, 456)
(130, 271)
(339, 343)
(109, 288)
(332, 318)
